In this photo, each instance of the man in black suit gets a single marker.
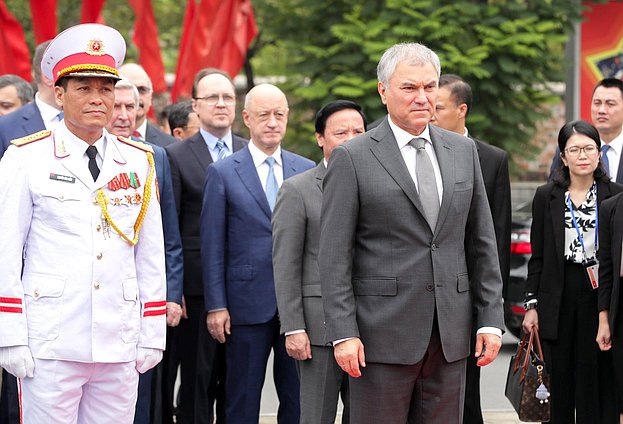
(202, 357)
(607, 117)
(183, 121)
(42, 114)
(453, 106)
(144, 129)
(15, 92)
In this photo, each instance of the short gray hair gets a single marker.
(25, 92)
(411, 53)
(126, 84)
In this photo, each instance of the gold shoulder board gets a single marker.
(22, 141)
(138, 144)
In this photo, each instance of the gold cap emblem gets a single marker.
(95, 47)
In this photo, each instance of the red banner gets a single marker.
(601, 49)
(44, 23)
(146, 39)
(219, 36)
(14, 54)
(92, 11)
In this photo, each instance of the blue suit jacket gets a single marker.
(24, 121)
(236, 238)
(172, 240)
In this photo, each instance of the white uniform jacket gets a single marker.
(85, 294)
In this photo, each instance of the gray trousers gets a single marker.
(429, 392)
(322, 381)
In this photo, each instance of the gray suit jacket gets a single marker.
(385, 273)
(296, 235)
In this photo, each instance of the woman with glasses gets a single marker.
(561, 290)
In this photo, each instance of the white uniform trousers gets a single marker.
(66, 392)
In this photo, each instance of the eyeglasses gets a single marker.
(143, 89)
(212, 100)
(591, 149)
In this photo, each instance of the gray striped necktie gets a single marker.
(221, 149)
(427, 185)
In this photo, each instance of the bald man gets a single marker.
(236, 251)
(144, 129)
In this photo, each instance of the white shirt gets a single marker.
(614, 155)
(259, 160)
(49, 114)
(211, 140)
(408, 153)
(142, 130)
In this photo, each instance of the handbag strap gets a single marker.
(538, 345)
(524, 368)
(520, 350)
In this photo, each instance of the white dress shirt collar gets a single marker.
(49, 114)
(142, 130)
(403, 138)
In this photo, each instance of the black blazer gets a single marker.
(189, 163)
(546, 266)
(494, 167)
(610, 240)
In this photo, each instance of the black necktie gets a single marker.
(91, 153)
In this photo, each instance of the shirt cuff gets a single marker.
(289, 333)
(217, 310)
(338, 341)
(490, 330)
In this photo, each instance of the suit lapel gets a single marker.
(319, 174)
(445, 159)
(200, 149)
(245, 168)
(557, 208)
(388, 154)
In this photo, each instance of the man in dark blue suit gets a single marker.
(236, 251)
(123, 123)
(42, 114)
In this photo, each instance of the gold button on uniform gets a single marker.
(100, 256)
(36, 293)
(98, 228)
(96, 285)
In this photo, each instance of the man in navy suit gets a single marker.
(236, 252)
(144, 129)
(42, 114)
(607, 117)
(123, 123)
(201, 358)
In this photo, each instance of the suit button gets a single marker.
(434, 246)
(99, 256)
(96, 285)
(429, 287)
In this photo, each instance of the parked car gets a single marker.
(520, 255)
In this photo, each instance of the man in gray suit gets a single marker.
(296, 234)
(397, 203)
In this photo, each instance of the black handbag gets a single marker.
(527, 382)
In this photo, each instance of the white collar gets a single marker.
(259, 157)
(403, 137)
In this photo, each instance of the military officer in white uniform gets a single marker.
(82, 276)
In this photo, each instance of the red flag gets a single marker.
(218, 36)
(92, 11)
(243, 29)
(43, 19)
(146, 39)
(14, 53)
(188, 33)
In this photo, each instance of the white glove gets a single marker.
(17, 360)
(147, 358)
